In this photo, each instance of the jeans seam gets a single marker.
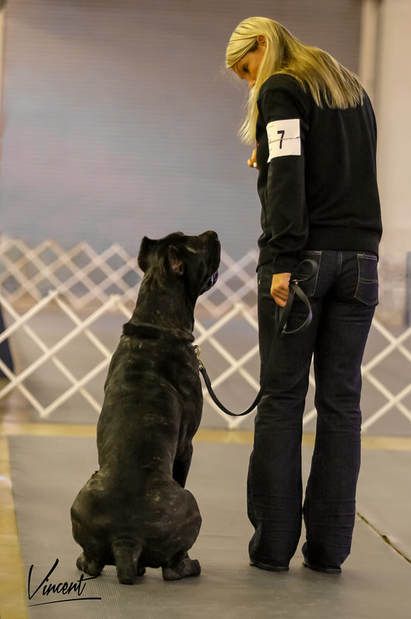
(320, 255)
(358, 276)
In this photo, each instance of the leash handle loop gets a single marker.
(296, 290)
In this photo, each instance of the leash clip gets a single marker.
(197, 352)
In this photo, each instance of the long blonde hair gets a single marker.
(329, 82)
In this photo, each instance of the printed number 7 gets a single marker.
(282, 132)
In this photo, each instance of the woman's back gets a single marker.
(333, 169)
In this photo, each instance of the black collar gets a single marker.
(148, 330)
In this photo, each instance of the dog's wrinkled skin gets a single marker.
(134, 511)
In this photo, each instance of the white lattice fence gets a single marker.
(82, 275)
(73, 315)
(86, 278)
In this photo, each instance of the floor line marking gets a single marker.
(204, 435)
(12, 586)
(385, 538)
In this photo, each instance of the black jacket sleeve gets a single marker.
(285, 198)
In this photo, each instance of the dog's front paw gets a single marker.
(89, 566)
(187, 567)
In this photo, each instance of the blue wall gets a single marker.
(121, 121)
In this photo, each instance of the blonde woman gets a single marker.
(314, 133)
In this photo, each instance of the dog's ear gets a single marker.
(174, 260)
(145, 254)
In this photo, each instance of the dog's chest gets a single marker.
(175, 365)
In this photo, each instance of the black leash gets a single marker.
(282, 330)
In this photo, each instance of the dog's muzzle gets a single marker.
(209, 283)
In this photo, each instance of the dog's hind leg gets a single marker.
(181, 566)
(126, 554)
(181, 465)
(92, 559)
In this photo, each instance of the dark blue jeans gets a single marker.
(343, 296)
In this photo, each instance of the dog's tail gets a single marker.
(127, 553)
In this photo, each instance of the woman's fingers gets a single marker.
(252, 161)
(281, 301)
(280, 288)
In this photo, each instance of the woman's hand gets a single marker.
(279, 288)
(252, 162)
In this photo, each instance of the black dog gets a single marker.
(134, 511)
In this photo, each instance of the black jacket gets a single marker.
(317, 175)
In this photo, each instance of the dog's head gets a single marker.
(194, 259)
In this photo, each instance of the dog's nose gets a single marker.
(211, 234)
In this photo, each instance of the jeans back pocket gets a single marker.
(366, 290)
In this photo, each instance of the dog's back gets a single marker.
(152, 398)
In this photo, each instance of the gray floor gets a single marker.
(385, 495)
(47, 473)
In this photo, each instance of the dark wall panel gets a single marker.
(121, 121)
